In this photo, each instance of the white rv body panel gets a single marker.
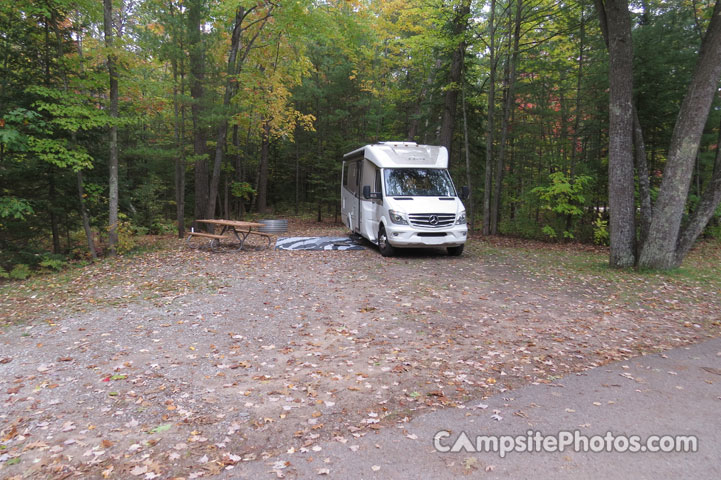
(403, 155)
(412, 199)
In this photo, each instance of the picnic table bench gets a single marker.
(233, 230)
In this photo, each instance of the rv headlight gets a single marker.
(461, 220)
(397, 217)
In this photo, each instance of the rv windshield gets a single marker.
(418, 182)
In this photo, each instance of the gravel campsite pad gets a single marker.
(188, 364)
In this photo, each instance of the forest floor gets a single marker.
(179, 363)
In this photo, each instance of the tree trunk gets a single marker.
(81, 189)
(179, 159)
(490, 124)
(415, 119)
(231, 86)
(238, 166)
(510, 81)
(660, 248)
(469, 200)
(179, 131)
(639, 145)
(79, 174)
(230, 89)
(84, 215)
(297, 177)
(113, 163)
(617, 19)
(448, 118)
(52, 194)
(497, 180)
(579, 79)
(644, 183)
(263, 170)
(197, 77)
(705, 210)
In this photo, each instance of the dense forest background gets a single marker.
(137, 116)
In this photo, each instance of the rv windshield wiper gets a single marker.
(447, 198)
(403, 198)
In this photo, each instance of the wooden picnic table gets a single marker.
(229, 229)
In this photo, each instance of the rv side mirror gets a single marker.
(465, 192)
(367, 194)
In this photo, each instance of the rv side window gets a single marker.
(379, 183)
(350, 179)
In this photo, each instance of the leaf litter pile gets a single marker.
(187, 364)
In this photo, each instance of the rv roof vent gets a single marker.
(400, 144)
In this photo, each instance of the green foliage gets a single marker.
(565, 198)
(326, 77)
(69, 111)
(714, 231)
(664, 59)
(20, 271)
(53, 262)
(242, 190)
(600, 231)
(523, 227)
(163, 227)
(564, 195)
(150, 202)
(41, 132)
(14, 121)
(13, 207)
(126, 236)
(78, 248)
(58, 152)
(549, 232)
(25, 264)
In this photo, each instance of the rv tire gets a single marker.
(384, 246)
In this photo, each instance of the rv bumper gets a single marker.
(405, 236)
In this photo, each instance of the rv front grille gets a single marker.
(432, 220)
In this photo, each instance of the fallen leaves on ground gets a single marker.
(184, 363)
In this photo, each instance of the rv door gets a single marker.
(350, 194)
(371, 208)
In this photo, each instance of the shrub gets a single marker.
(550, 232)
(53, 262)
(20, 272)
(600, 231)
(713, 231)
(564, 198)
(126, 237)
(17, 208)
(162, 226)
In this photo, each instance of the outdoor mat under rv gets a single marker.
(318, 243)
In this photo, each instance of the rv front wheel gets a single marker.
(385, 248)
(455, 251)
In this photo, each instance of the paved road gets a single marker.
(675, 393)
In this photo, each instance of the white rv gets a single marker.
(400, 194)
